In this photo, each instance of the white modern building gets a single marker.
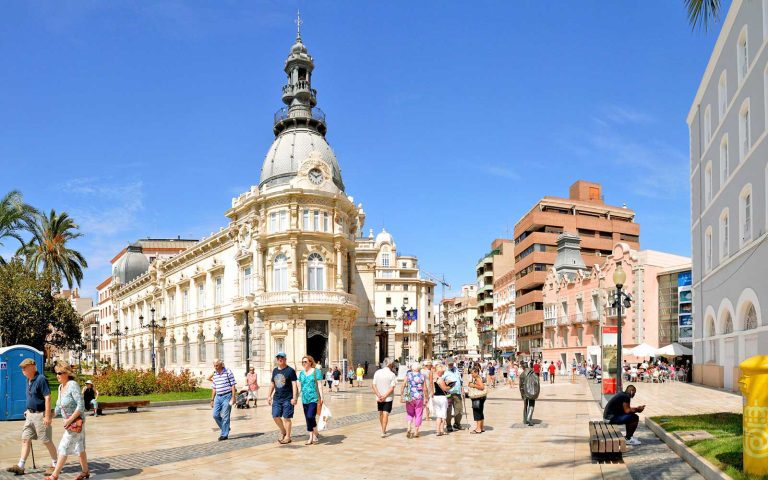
(729, 210)
(289, 273)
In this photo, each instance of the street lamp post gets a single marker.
(248, 305)
(94, 338)
(622, 299)
(117, 334)
(151, 326)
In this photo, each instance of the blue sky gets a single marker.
(449, 119)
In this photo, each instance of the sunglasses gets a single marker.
(304, 361)
(60, 373)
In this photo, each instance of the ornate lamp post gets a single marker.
(94, 338)
(152, 326)
(117, 334)
(248, 305)
(625, 300)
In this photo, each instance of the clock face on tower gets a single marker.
(315, 176)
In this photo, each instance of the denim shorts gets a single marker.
(282, 408)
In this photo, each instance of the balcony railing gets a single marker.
(562, 320)
(577, 318)
(550, 322)
(285, 113)
(593, 316)
(304, 296)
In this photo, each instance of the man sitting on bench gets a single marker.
(619, 412)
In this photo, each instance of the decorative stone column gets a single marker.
(339, 281)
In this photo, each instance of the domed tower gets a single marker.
(131, 265)
(299, 126)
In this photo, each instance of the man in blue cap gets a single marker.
(283, 392)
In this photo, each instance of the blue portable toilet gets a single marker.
(13, 383)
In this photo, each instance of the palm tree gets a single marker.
(15, 216)
(47, 250)
(702, 12)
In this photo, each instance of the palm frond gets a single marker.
(702, 13)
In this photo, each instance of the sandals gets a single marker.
(474, 432)
(51, 477)
(83, 475)
(282, 441)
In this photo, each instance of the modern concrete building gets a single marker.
(729, 204)
(584, 213)
(576, 301)
(496, 263)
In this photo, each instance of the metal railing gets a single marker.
(285, 113)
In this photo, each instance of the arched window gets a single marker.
(174, 356)
(742, 53)
(708, 250)
(750, 320)
(707, 126)
(745, 215)
(187, 350)
(280, 274)
(219, 345)
(725, 167)
(745, 131)
(710, 327)
(201, 348)
(708, 184)
(728, 324)
(722, 95)
(315, 272)
(725, 243)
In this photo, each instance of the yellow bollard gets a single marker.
(754, 387)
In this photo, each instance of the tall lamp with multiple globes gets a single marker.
(621, 299)
(152, 326)
(117, 334)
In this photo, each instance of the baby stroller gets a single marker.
(242, 399)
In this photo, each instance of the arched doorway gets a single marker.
(317, 340)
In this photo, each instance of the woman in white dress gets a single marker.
(439, 399)
(71, 407)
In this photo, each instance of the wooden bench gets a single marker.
(606, 439)
(132, 406)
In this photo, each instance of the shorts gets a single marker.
(384, 406)
(282, 408)
(505, 374)
(252, 394)
(359, 379)
(35, 429)
(335, 383)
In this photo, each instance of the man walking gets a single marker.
(282, 395)
(222, 397)
(545, 371)
(360, 373)
(37, 423)
(551, 372)
(619, 412)
(452, 381)
(383, 386)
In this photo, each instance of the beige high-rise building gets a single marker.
(458, 325)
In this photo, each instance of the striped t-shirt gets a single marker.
(224, 381)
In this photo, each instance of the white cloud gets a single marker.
(622, 115)
(500, 171)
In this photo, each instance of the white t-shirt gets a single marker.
(384, 379)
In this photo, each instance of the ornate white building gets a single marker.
(289, 263)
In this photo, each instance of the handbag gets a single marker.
(76, 426)
(475, 393)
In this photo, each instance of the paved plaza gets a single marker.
(180, 442)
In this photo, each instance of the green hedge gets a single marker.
(126, 383)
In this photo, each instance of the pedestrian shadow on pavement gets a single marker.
(104, 470)
(332, 439)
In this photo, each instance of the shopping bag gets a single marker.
(325, 416)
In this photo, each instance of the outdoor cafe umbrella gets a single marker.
(643, 350)
(674, 350)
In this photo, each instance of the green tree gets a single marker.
(15, 217)
(702, 13)
(30, 314)
(48, 250)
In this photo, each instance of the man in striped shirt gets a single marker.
(222, 397)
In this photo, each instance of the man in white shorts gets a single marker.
(37, 425)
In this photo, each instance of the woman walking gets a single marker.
(412, 394)
(439, 399)
(71, 407)
(311, 386)
(477, 393)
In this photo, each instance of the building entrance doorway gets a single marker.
(383, 347)
(317, 341)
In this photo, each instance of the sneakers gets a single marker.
(16, 470)
(634, 441)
